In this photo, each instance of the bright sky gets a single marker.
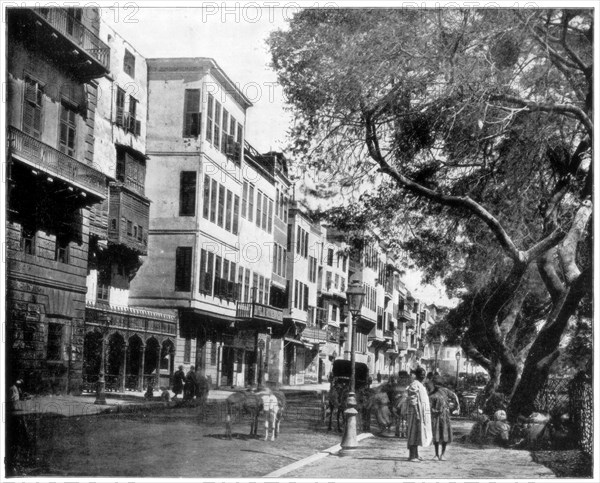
(234, 36)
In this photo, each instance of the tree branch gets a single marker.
(463, 202)
(549, 275)
(546, 107)
(568, 248)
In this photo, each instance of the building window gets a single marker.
(229, 210)
(206, 200)
(213, 353)
(68, 129)
(213, 201)
(120, 110)
(312, 269)
(187, 193)
(250, 201)
(54, 345)
(221, 212)
(131, 171)
(258, 208)
(129, 228)
(236, 214)
(225, 136)
(113, 224)
(191, 113)
(270, 217)
(247, 285)
(140, 233)
(330, 257)
(28, 240)
(244, 198)
(129, 63)
(32, 108)
(209, 118)
(62, 248)
(217, 125)
(187, 349)
(183, 269)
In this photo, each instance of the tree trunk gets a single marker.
(544, 350)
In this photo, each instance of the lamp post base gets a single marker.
(350, 440)
(100, 391)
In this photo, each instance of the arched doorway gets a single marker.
(92, 356)
(115, 359)
(135, 353)
(167, 363)
(151, 363)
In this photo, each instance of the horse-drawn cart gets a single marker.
(340, 387)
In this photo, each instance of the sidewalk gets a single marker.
(388, 458)
(70, 406)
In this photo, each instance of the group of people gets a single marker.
(428, 414)
(192, 385)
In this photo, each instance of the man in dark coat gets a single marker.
(178, 382)
(190, 384)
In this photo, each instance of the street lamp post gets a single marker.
(104, 322)
(457, 355)
(437, 342)
(354, 297)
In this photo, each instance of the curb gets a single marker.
(312, 458)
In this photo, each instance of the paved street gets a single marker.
(153, 440)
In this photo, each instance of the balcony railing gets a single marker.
(79, 34)
(41, 156)
(402, 345)
(314, 334)
(388, 334)
(130, 318)
(254, 310)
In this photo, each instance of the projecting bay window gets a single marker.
(183, 269)
(191, 113)
(187, 193)
(32, 108)
(68, 129)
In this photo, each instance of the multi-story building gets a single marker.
(55, 58)
(304, 248)
(140, 343)
(195, 146)
(262, 263)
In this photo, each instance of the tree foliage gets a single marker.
(466, 136)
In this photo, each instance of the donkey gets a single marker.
(253, 404)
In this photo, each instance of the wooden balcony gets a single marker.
(129, 318)
(63, 38)
(314, 334)
(52, 162)
(129, 219)
(259, 312)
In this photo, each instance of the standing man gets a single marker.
(178, 381)
(190, 384)
(418, 417)
(202, 386)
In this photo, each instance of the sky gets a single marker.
(233, 36)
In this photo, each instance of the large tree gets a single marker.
(471, 131)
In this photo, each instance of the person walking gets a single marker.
(418, 416)
(439, 400)
(178, 382)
